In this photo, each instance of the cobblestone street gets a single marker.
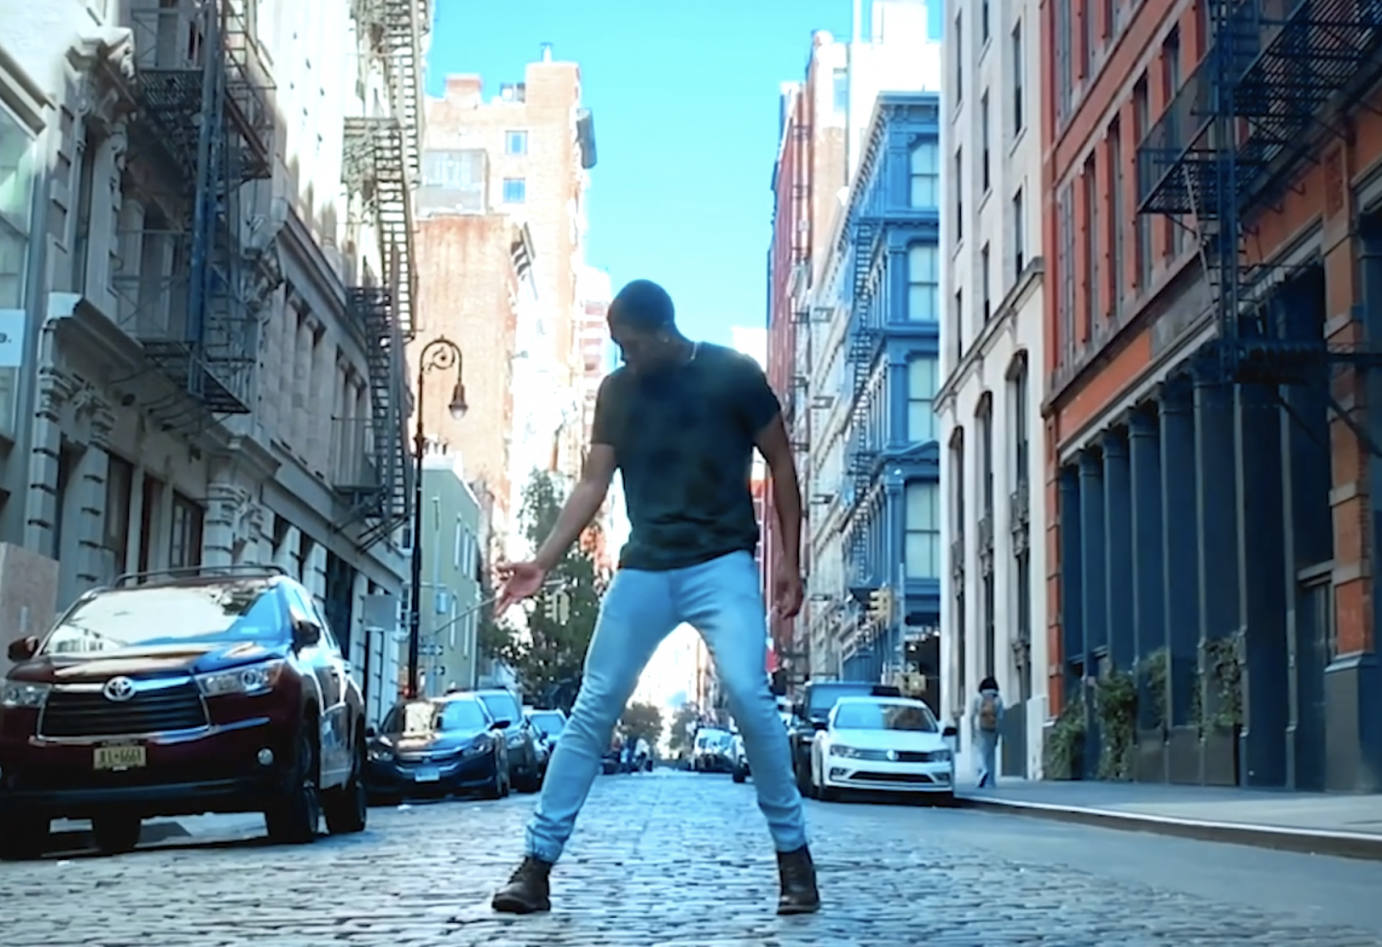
(676, 859)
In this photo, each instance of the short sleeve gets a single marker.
(603, 427)
(757, 401)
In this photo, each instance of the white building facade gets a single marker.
(209, 380)
(993, 602)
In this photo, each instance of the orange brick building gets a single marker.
(1215, 298)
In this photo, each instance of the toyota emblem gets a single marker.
(892, 754)
(119, 689)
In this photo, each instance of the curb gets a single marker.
(1358, 845)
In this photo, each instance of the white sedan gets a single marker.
(888, 744)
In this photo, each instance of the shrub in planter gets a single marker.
(1115, 705)
(1063, 753)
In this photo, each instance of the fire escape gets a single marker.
(861, 348)
(1231, 143)
(381, 166)
(205, 119)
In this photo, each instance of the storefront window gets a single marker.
(17, 145)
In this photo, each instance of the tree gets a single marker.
(642, 720)
(683, 722)
(548, 659)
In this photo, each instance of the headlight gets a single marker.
(837, 750)
(255, 679)
(20, 694)
(481, 745)
(941, 756)
(380, 754)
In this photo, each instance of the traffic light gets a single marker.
(557, 606)
(881, 604)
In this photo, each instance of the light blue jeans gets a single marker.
(722, 600)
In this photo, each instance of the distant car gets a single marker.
(882, 744)
(525, 773)
(178, 693)
(547, 726)
(812, 713)
(739, 761)
(710, 750)
(438, 747)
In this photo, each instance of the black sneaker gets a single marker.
(528, 890)
(798, 874)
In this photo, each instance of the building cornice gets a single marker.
(1022, 292)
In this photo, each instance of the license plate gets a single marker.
(120, 757)
(427, 774)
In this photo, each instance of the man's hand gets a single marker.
(787, 589)
(519, 580)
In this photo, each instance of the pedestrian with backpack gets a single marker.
(988, 721)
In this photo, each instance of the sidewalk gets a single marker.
(1327, 824)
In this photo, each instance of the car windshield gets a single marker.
(551, 724)
(461, 715)
(864, 715)
(503, 707)
(415, 718)
(824, 699)
(170, 617)
(712, 738)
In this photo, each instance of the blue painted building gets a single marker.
(891, 287)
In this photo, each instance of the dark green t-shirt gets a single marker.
(683, 441)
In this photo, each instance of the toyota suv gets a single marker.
(179, 693)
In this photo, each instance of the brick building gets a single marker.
(1212, 210)
(525, 153)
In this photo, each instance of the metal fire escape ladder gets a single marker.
(1231, 143)
(862, 346)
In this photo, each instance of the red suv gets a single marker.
(179, 693)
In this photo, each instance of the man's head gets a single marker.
(642, 322)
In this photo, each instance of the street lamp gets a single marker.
(441, 354)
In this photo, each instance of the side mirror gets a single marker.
(371, 733)
(306, 633)
(500, 725)
(950, 731)
(22, 649)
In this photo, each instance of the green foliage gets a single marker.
(1115, 704)
(1064, 750)
(642, 720)
(553, 651)
(683, 722)
(1223, 679)
(1154, 670)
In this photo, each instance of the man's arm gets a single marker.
(777, 452)
(596, 474)
(580, 507)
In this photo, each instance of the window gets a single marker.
(1064, 77)
(515, 190)
(1019, 236)
(984, 280)
(983, 22)
(516, 143)
(957, 479)
(1114, 280)
(458, 545)
(453, 170)
(1019, 425)
(119, 485)
(923, 544)
(984, 163)
(1090, 236)
(1142, 115)
(926, 175)
(985, 420)
(921, 395)
(839, 89)
(1065, 235)
(957, 326)
(923, 282)
(959, 58)
(1018, 67)
(1170, 79)
(959, 186)
(17, 153)
(185, 536)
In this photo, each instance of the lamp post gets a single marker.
(440, 354)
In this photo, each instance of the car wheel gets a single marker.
(115, 834)
(23, 839)
(739, 775)
(293, 818)
(347, 807)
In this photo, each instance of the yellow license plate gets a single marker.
(120, 757)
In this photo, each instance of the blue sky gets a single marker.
(685, 98)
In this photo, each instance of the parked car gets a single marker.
(438, 747)
(178, 693)
(525, 774)
(882, 744)
(710, 751)
(812, 713)
(739, 760)
(547, 726)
